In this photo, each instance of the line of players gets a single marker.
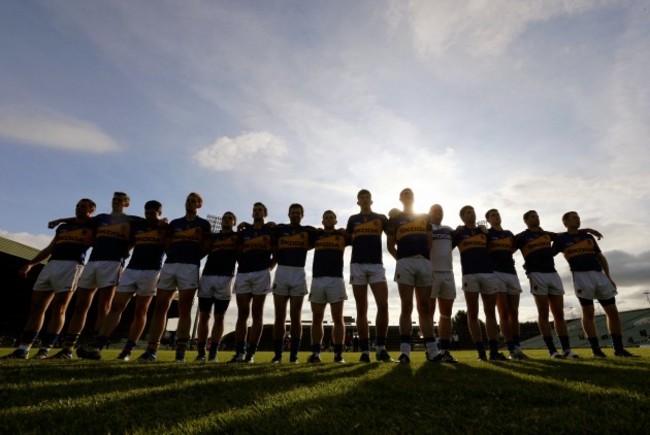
(421, 245)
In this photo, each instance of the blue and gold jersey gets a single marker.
(501, 246)
(186, 239)
(366, 230)
(291, 244)
(329, 247)
(223, 254)
(255, 248)
(112, 237)
(472, 245)
(148, 239)
(535, 246)
(72, 240)
(412, 234)
(580, 250)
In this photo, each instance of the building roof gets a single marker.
(17, 249)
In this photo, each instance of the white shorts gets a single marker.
(593, 285)
(444, 285)
(508, 283)
(290, 281)
(59, 276)
(416, 271)
(140, 282)
(100, 274)
(484, 283)
(179, 276)
(216, 287)
(257, 283)
(367, 273)
(545, 284)
(327, 289)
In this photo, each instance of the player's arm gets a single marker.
(593, 232)
(42, 255)
(56, 222)
(206, 240)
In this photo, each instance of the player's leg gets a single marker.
(203, 327)
(405, 320)
(589, 326)
(471, 300)
(318, 312)
(338, 332)
(244, 302)
(185, 303)
(380, 293)
(491, 325)
(556, 303)
(158, 321)
(422, 298)
(257, 326)
(78, 320)
(295, 312)
(280, 303)
(543, 303)
(39, 304)
(220, 307)
(360, 292)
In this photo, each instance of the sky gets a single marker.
(539, 105)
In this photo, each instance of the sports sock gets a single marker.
(240, 347)
(278, 346)
(200, 347)
(617, 342)
(338, 349)
(70, 341)
(445, 344)
(431, 346)
(564, 342)
(316, 348)
(130, 344)
(295, 346)
(593, 342)
(550, 345)
(405, 344)
(494, 347)
(365, 345)
(48, 339)
(252, 348)
(27, 339)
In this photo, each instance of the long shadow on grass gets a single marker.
(98, 398)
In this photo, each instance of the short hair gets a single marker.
(364, 192)
(229, 213)
(528, 213)
(565, 216)
(121, 195)
(407, 189)
(262, 205)
(296, 205)
(90, 202)
(196, 195)
(153, 204)
(487, 213)
(329, 212)
(463, 210)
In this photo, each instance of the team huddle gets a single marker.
(241, 256)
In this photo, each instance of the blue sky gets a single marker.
(515, 105)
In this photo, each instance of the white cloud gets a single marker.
(54, 130)
(242, 152)
(38, 241)
(475, 28)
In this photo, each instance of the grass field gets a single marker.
(534, 396)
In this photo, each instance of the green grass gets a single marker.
(536, 396)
